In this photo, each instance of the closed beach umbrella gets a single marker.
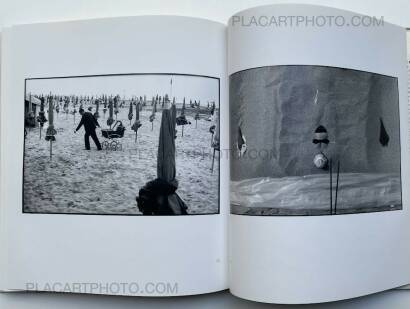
(181, 119)
(166, 169)
(215, 140)
(162, 198)
(41, 118)
(152, 116)
(196, 117)
(116, 106)
(51, 132)
(97, 109)
(137, 124)
(110, 119)
(130, 114)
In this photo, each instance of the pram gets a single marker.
(115, 132)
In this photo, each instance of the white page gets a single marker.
(307, 259)
(153, 255)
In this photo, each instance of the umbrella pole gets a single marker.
(337, 184)
(152, 125)
(213, 160)
(196, 123)
(330, 173)
(182, 131)
(136, 136)
(51, 150)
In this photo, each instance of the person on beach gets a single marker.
(90, 123)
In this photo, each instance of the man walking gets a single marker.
(90, 124)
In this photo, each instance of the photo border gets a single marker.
(400, 141)
(122, 214)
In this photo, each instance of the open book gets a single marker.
(165, 155)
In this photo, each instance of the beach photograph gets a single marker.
(127, 144)
(314, 140)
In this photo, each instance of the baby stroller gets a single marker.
(115, 132)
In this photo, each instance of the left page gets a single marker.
(110, 169)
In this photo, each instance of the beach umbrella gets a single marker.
(74, 112)
(110, 119)
(50, 132)
(196, 117)
(215, 140)
(166, 168)
(97, 109)
(30, 118)
(162, 198)
(137, 124)
(115, 107)
(181, 119)
(152, 116)
(41, 118)
(130, 114)
(105, 106)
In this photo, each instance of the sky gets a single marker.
(191, 87)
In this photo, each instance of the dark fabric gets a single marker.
(94, 137)
(166, 169)
(89, 122)
(158, 197)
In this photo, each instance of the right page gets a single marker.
(319, 163)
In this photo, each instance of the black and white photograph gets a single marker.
(122, 144)
(314, 140)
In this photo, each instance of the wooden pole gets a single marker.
(213, 160)
(331, 185)
(51, 150)
(337, 184)
(182, 130)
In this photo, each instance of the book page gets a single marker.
(110, 164)
(319, 166)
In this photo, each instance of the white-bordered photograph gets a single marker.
(314, 140)
(128, 144)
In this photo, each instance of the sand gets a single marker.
(107, 182)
